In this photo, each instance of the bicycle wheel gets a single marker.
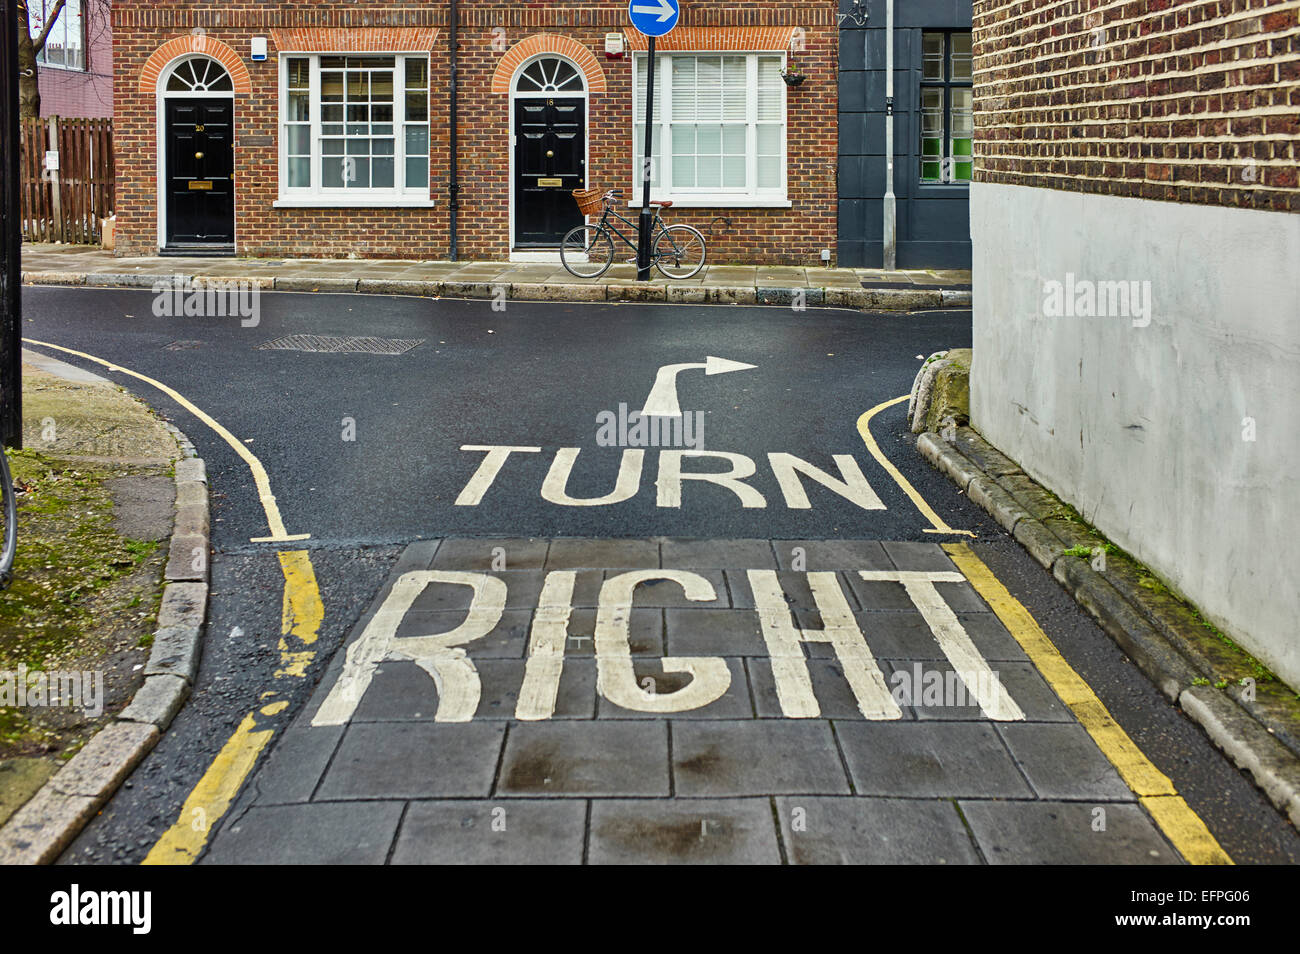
(587, 251)
(680, 251)
(8, 521)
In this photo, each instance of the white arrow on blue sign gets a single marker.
(653, 17)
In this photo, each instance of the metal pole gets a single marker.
(11, 362)
(891, 219)
(644, 223)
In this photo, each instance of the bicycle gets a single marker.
(10, 522)
(678, 251)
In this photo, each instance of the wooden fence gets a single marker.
(66, 204)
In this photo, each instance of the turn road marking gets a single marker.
(454, 674)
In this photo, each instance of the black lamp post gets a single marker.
(11, 417)
(646, 221)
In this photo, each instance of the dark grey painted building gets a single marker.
(932, 133)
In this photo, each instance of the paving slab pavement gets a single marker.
(528, 280)
(471, 718)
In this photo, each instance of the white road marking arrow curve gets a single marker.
(662, 401)
(663, 8)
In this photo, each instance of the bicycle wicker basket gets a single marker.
(589, 200)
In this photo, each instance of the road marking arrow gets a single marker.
(663, 8)
(662, 401)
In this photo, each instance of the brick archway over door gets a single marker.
(193, 44)
(554, 43)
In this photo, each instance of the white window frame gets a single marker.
(754, 197)
(61, 27)
(316, 196)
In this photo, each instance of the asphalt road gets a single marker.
(537, 375)
(534, 375)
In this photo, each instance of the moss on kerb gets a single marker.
(1136, 580)
(950, 396)
(62, 600)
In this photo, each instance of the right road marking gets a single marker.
(1180, 824)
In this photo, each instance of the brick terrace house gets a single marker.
(75, 69)
(1137, 273)
(318, 127)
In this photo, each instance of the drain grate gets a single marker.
(324, 344)
(183, 345)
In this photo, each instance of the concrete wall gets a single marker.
(1141, 428)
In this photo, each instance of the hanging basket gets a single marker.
(793, 79)
(589, 200)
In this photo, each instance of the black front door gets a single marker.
(550, 150)
(200, 172)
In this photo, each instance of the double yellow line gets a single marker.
(1155, 791)
(301, 615)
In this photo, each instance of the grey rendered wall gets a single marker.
(933, 220)
(1144, 429)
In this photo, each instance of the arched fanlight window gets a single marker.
(550, 75)
(200, 75)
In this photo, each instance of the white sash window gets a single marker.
(354, 130)
(65, 47)
(719, 129)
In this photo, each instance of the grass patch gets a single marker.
(69, 553)
(1085, 551)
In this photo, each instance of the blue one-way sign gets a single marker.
(653, 17)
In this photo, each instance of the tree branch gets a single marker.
(38, 43)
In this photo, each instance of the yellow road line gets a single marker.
(211, 798)
(301, 615)
(1155, 791)
(1185, 829)
(260, 478)
(864, 428)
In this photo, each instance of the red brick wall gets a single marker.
(794, 236)
(1184, 100)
